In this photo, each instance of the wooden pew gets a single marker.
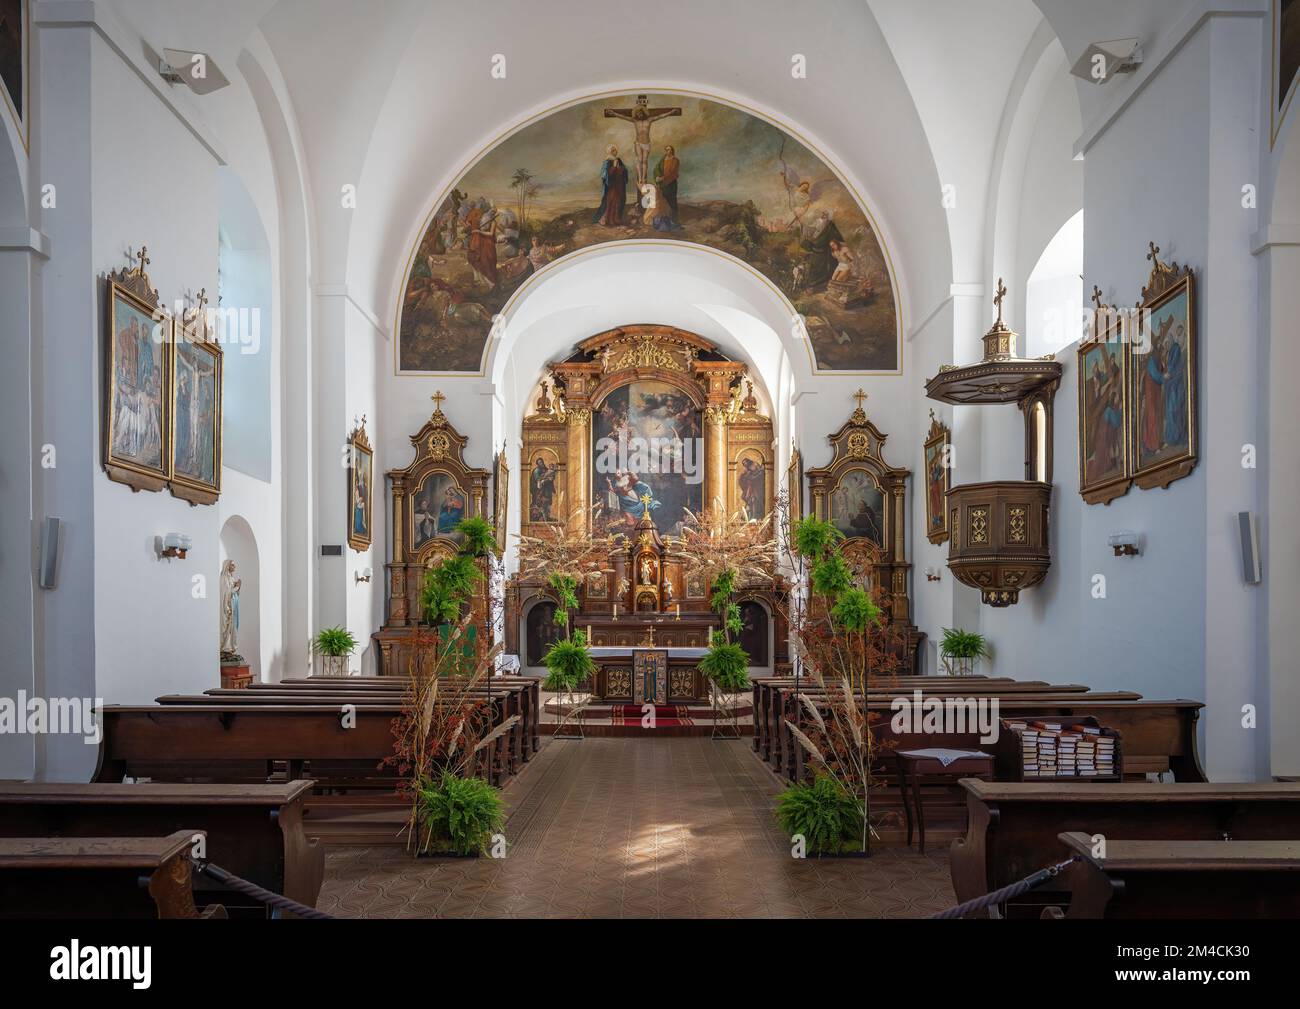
(525, 688)
(1159, 735)
(514, 748)
(99, 877)
(254, 831)
(1014, 827)
(767, 693)
(1181, 879)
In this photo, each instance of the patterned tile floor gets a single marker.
(639, 828)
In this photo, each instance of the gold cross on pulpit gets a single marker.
(997, 298)
(437, 398)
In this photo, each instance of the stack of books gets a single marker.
(1057, 750)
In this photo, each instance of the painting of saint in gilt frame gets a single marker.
(938, 471)
(1162, 384)
(438, 506)
(196, 418)
(137, 421)
(1103, 379)
(361, 470)
(857, 507)
(751, 484)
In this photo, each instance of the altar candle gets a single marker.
(679, 611)
(591, 638)
(616, 611)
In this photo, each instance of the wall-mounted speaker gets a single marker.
(1249, 547)
(48, 561)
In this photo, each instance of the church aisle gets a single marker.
(644, 828)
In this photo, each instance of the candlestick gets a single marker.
(679, 611)
(616, 611)
(591, 638)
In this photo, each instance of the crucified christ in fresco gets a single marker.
(641, 118)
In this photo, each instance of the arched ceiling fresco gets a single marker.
(640, 167)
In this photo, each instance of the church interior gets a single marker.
(577, 460)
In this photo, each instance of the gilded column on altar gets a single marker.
(715, 457)
(579, 469)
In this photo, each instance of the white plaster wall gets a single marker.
(155, 626)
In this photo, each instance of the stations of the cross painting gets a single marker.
(641, 116)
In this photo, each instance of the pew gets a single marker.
(1181, 879)
(514, 748)
(526, 687)
(1159, 735)
(99, 877)
(1013, 828)
(254, 831)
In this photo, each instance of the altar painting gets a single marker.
(646, 444)
(438, 506)
(858, 507)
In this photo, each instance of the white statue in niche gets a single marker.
(230, 586)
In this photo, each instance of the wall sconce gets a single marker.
(1125, 544)
(174, 545)
(932, 575)
(362, 576)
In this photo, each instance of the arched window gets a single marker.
(1054, 292)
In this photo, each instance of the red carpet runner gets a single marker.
(665, 714)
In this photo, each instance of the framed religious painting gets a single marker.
(361, 475)
(1103, 379)
(1285, 75)
(437, 506)
(501, 500)
(937, 455)
(15, 62)
(857, 507)
(752, 483)
(196, 412)
(794, 486)
(1162, 378)
(137, 381)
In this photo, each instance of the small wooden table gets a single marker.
(915, 764)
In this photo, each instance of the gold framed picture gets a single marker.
(1103, 381)
(501, 500)
(794, 486)
(361, 472)
(137, 383)
(196, 412)
(937, 456)
(1162, 379)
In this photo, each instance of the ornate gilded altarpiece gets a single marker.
(866, 499)
(643, 381)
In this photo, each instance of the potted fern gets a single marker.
(459, 816)
(334, 645)
(960, 650)
(829, 819)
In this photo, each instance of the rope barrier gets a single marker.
(275, 900)
(1008, 892)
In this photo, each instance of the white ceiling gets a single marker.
(395, 97)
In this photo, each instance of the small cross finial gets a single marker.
(859, 396)
(932, 415)
(1154, 249)
(437, 398)
(202, 299)
(997, 298)
(143, 256)
(1096, 295)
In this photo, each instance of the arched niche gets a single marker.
(239, 544)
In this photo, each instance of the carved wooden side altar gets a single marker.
(866, 499)
(429, 498)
